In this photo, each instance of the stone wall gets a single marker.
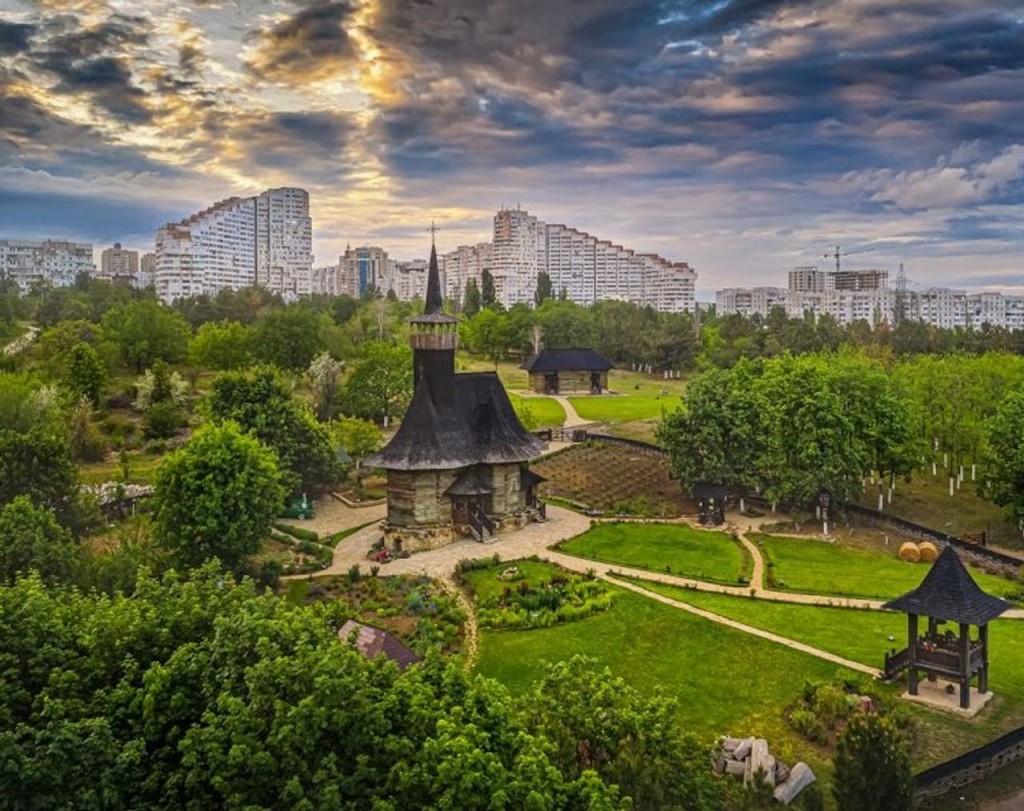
(970, 767)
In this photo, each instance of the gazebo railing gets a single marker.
(928, 656)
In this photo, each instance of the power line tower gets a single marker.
(900, 308)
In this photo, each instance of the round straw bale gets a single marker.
(909, 552)
(928, 551)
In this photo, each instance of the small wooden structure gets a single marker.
(458, 464)
(554, 371)
(948, 593)
(373, 642)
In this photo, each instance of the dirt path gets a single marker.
(448, 583)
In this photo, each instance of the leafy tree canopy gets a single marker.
(145, 331)
(221, 346)
(31, 539)
(217, 496)
(380, 385)
(290, 337)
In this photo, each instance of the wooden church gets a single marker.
(458, 465)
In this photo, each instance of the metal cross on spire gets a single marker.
(433, 229)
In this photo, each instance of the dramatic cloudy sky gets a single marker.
(743, 136)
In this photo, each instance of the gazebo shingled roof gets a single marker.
(567, 360)
(948, 592)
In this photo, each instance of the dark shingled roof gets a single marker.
(566, 360)
(432, 306)
(948, 592)
(456, 421)
(372, 642)
(469, 483)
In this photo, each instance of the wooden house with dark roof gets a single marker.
(373, 642)
(458, 464)
(948, 593)
(555, 371)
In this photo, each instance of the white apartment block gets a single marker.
(408, 280)
(235, 243)
(587, 268)
(936, 306)
(147, 270)
(284, 242)
(462, 264)
(50, 262)
(119, 264)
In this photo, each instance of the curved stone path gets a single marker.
(537, 539)
(572, 418)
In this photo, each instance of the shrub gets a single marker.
(354, 574)
(297, 532)
(162, 421)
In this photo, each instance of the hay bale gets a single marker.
(928, 551)
(909, 552)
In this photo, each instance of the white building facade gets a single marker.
(588, 269)
(238, 242)
(50, 262)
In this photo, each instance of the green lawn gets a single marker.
(142, 469)
(824, 568)
(546, 412)
(863, 637)
(485, 583)
(674, 548)
(724, 681)
(854, 634)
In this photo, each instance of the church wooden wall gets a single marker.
(567, 382)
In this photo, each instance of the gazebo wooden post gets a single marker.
(983, 675)
(912, 651)
(965, 665)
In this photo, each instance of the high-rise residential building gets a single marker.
(118, 264)
(147, 270)
(238, 242)
(51, 262)
(284, 242)
(808, 279)
(462, 264)
(362, 270)
(588, 269)
(408, 280)
(326, 281)
(868, 279)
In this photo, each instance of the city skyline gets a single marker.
(744, 137)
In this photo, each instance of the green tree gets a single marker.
(544, 289)
(31, 538)
(37, 463)
(221, 346)
(289, 337)
(873, 766)
(86, 374)
(324, 375)
(145, 331)
(380, 385)
(358, 437)
(1004, 459)
(471, 299)
(487, 293)
(217, 496)
(597, 722)
(262, 405)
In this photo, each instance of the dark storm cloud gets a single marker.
(310, 45)
(14, 37)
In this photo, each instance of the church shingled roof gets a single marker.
(567, 360)
(948, 592)
(466, 419)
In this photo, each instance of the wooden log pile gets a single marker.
(750, 758)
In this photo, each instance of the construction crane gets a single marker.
(836, 254)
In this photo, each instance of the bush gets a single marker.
(297, 532)
(162, 421)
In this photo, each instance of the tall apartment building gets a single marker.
(235, 243)
(147, 270)
(462, 264)
(51, 262)
(809, 279)
(587, 268)
(284, 242)
(361, 270)
(408, 280)
(119, 264)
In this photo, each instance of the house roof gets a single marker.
(948, 592)
(456, 421)
(567, 360)
(372, 642)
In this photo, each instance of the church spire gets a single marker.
(433, 301)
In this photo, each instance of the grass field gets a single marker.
(673, 548)
(548, 413)
(142, 468)
(484, 583)
(637, 397)
(823, 568)
(724, 681)
(863, 637)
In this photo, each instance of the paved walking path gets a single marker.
(572, 419)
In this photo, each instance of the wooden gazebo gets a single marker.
(948, 593)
